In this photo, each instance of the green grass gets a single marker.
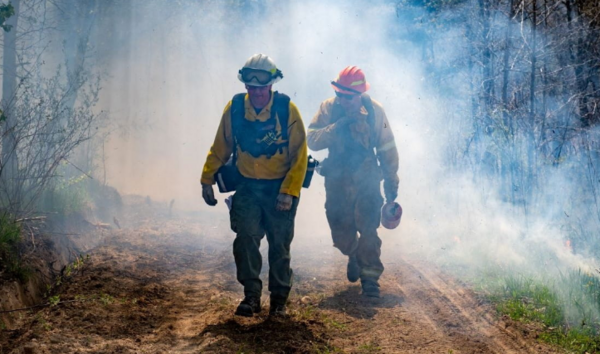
(325, 349)
(334, 324)
(106, 299)
(567, 306)
(369, 348)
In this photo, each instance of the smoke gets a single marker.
(172, 74)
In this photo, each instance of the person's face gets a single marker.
(259, 95)
(350, 103)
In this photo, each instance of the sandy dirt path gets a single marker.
(167, 285)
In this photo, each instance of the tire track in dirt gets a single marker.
(456, 313)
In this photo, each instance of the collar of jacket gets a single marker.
(264, 114)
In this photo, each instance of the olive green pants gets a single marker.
(253, 215)
(353, 207)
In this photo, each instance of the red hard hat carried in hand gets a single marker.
(390, 215)
(351, 81)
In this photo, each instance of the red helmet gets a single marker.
(351, 81)
(390, 215)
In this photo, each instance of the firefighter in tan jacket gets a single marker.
(362, 152)
(265, 130)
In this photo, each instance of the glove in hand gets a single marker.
(284, 202)
(208, 194)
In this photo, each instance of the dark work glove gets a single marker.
(391, 191)
(284, 202)
(342, 122)
(208, 194)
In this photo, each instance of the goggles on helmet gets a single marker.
(344, 88)
(261, 77)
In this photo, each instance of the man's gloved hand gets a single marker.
(208, 194)
(390, 190)
(284, 202)
(342, 122)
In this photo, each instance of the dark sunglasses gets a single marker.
(345, 96)
(261, 77)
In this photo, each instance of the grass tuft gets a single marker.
(567, 306)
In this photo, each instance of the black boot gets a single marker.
(278, 307)
(370, 288)
(353, 269)
(248, 307)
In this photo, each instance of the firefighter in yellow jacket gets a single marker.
(264, 131)
(362, 152)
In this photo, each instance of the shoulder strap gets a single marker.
(368, 104)
(237, 114)
(281, 106)
(366, 101)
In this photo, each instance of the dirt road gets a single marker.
(166, 284)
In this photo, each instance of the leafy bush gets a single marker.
(64, 196)
(10, 235)
(79, 193)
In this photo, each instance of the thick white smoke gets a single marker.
(171, 85)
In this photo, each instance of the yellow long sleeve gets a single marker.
(297, 154)
(221, 149)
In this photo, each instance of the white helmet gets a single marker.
(259, 70)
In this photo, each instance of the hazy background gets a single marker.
(174, 67)
(493, 105)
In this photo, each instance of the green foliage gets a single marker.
(575, 339)
(325, 349)
(567, 306)
(333, 323)
(6, 11)
(64, 196)
(10, 232)
(54, 300)
(369, 348)
(10, 262)
(106, 299)
(69, 271)
(74, 191)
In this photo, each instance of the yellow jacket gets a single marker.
(290, 164)
(323, 135)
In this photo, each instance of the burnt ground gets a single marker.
(166, 284)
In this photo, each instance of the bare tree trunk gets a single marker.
(508, 173)
(81, 19)
(488, 79)
(531, 170)
(9, 163)
(544, 107)
(581, 84)
(508, 121)
(474, 103)
(533, 63)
